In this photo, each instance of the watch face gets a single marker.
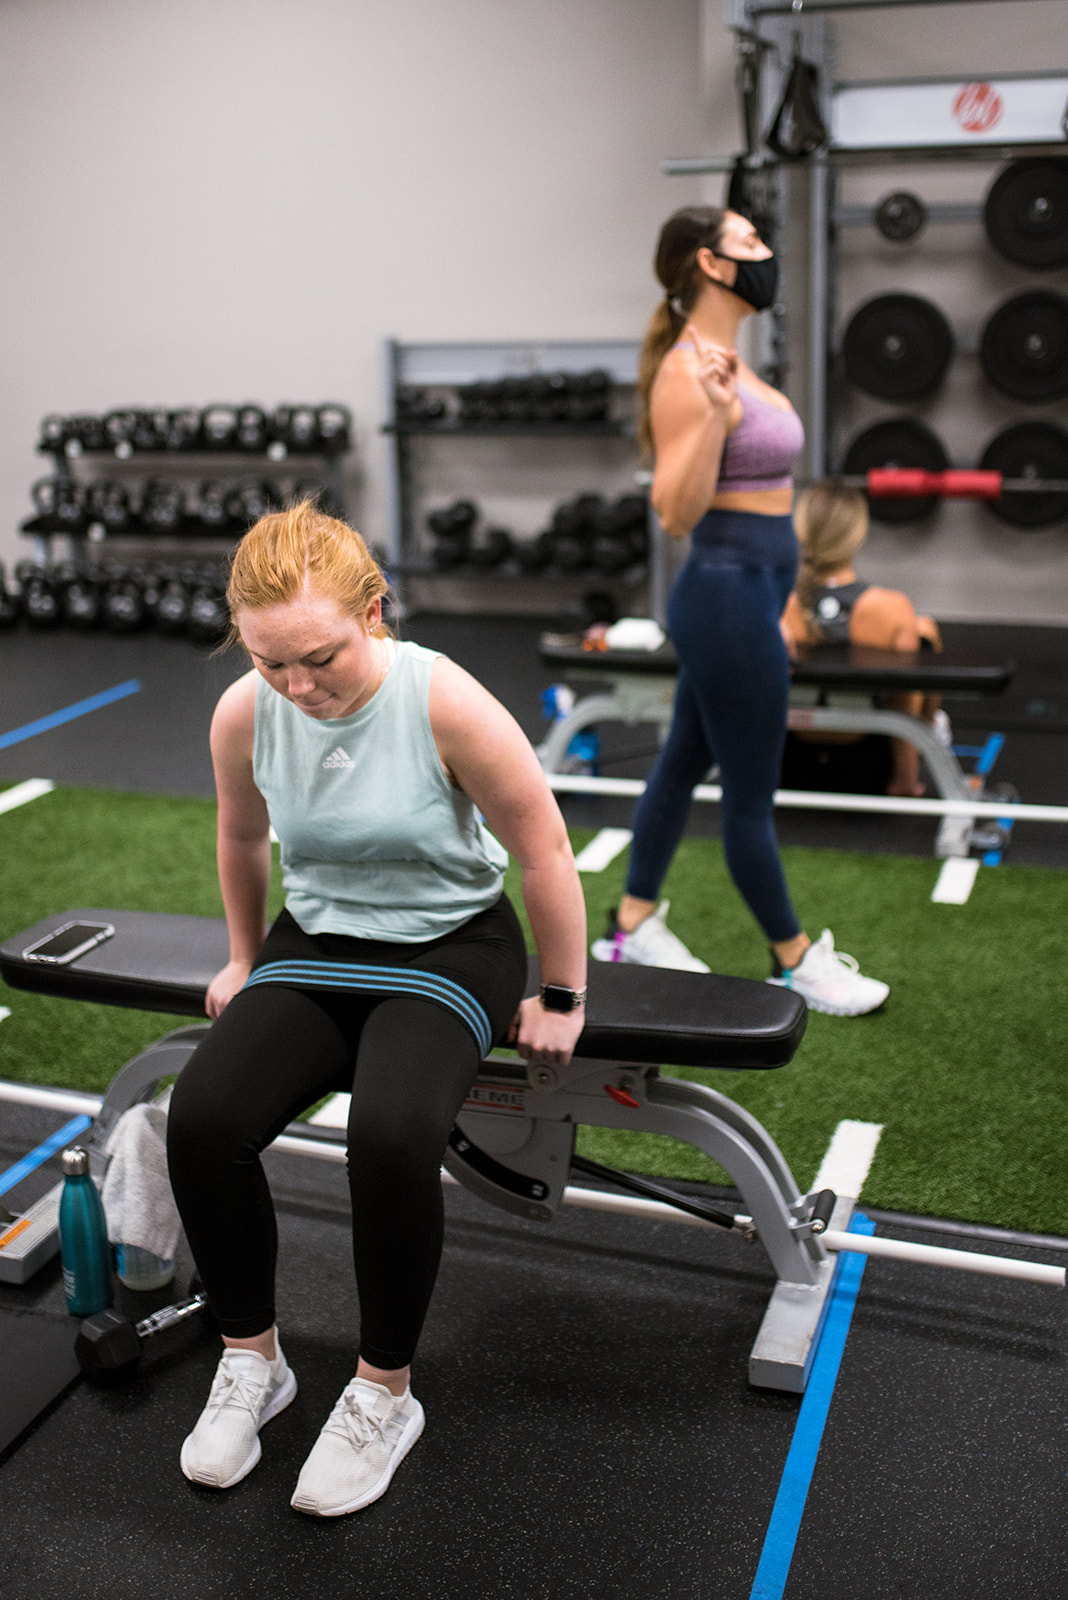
(554, 998)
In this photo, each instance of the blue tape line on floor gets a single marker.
(79, 709)
(36, 1158)
(785, 1524)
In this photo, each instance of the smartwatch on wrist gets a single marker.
(554, 997)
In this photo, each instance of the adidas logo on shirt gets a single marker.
(337, 758)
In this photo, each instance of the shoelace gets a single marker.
(829, 960)
(353, 1423)
(234, 1389)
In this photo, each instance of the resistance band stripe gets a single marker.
(38, 1157)
(68, 714)
(372, 980)
(785, 1524)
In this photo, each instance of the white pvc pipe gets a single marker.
(936, 1256)
(811, 800)
(623, 1204)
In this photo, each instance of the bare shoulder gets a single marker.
(878, 614)
(235, 714)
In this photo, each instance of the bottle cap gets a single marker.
(75, 1161)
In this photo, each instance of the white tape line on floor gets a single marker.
(32, 789)
(956, 880)
(848, 1158)
(603, 849)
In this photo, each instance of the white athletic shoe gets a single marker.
(829, 981)
(940, 726)
(363, 1442)
(248, 1390)
(652, 944)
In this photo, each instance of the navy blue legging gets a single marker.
(730, 709)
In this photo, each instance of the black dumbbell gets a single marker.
(79, 595)
(534, 555)
(209, 615)
(183, 429)
(250, 499)
(171, 612)
(119, 428)
(162, 505)
(495, 548)
(123, 608)
(87, 432)
(40, 601)
(53, 435)
(334, 427)
(252, 430)
(150, 430)
(210, 506)
(108, 502)
(10, 605)
(108, 1344)
(297, 428)
(218, 427)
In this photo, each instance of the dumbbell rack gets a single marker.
(194, 464)
(443, 369)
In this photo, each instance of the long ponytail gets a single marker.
(685, 233)
(832, 524)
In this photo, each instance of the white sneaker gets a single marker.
(829, 981)
(652, 944)
(363, 1442)
(248, 1390)
(940, 727)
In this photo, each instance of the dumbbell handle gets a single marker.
(169, 1315)
(955, 483)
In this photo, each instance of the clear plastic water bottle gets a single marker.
(83, 1239)
(140, 1269)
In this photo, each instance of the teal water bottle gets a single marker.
(83, 1239)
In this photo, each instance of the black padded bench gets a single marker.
(835, 689)
(514, 1142)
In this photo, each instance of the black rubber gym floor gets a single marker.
(590, 1428)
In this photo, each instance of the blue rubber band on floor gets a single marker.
(79, 709)
(36, 1158)
(785, 1524)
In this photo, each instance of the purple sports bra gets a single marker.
(761, 451)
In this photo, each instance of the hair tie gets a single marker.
(675, 305)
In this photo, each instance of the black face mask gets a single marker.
(755, 282)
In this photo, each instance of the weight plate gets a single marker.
(897, 346)
(900, 216)
(1029, 450)
(901, 442)
(1026, 213)
(1024, 348)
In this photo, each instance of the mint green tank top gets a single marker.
(376, 842)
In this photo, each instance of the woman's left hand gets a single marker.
(546, 1036)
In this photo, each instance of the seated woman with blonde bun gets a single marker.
(831, 606)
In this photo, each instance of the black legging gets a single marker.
(408, 1062)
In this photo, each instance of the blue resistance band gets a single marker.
(38, 1157)
(68, 714)
(380, 980)
(785, 1524)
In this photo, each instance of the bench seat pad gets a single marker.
(162, 962)
(821, 666)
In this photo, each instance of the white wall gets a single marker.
(239, 199)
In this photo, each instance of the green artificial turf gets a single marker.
(964, 1066)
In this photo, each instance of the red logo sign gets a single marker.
(978, 108)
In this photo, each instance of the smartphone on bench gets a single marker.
(69, 942)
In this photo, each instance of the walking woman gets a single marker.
(396, 964)
(724, 444)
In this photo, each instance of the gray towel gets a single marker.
(138, 1202)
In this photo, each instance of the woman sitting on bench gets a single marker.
(394, 968)
(831, 606)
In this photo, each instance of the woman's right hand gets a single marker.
(716, 370)
(224, 986)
